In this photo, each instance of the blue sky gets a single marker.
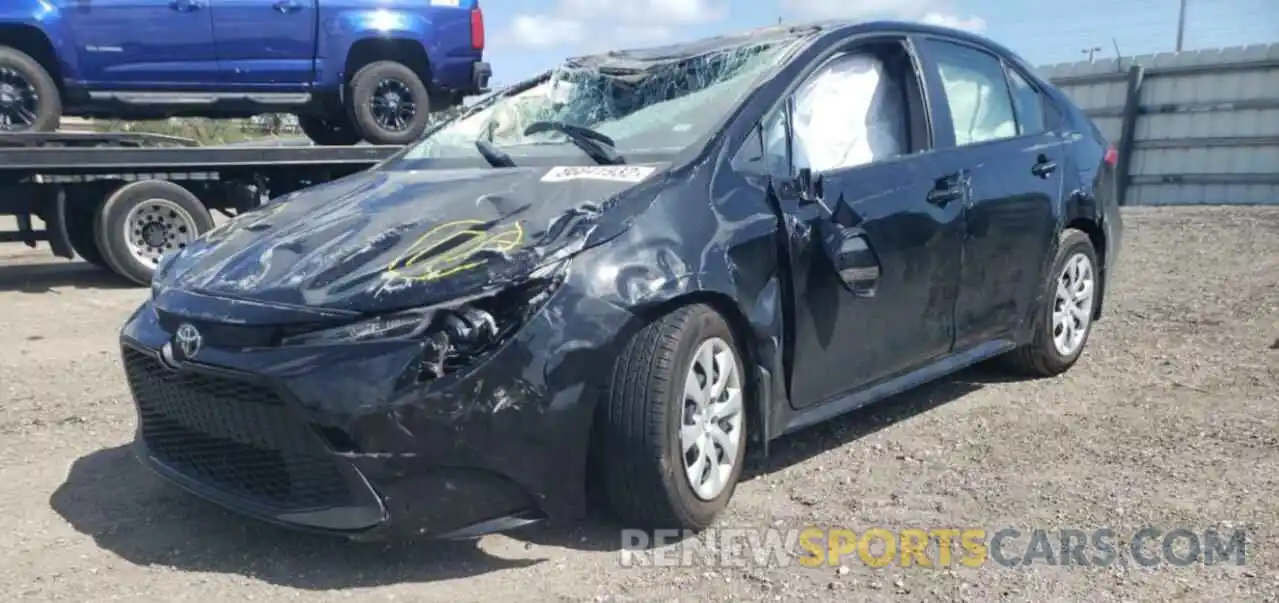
(525, 36)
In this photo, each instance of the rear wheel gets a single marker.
(29, 99)
(1063, 322)
(142, 221)
(389, 103)
(672, 428)
(333, 130)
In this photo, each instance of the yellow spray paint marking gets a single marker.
(423, 261)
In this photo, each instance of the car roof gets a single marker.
(641, 59)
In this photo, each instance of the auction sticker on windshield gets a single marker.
(616, 173)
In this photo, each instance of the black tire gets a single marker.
(1041, 358)
(47, 100)
(83, 234)
(639, 457)
(111, 217)
(329, 130)
(364, 85)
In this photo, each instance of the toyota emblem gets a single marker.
(188, 339)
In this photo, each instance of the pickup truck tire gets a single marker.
(161, 217)
(329, 131)
(390, 86)
(37, 93)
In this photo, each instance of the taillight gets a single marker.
(1112, 156)
(477, 28)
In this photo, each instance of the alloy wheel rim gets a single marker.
(1072, 304)
(392, 105)
(156, 227)
(711, 428)
(19, 101)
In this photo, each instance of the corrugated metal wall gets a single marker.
(1205, 124)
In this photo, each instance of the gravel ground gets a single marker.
(1171, 420)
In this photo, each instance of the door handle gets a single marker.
(1043, 167)
(185, 6)
(287, 6)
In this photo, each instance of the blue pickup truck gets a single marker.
(351, 70)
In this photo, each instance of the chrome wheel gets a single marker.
(1073, 303)
(156, 227)
(392, 105)
(19, 101)
(711, 431)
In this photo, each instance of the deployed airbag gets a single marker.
(848, 114)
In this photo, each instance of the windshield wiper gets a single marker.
(495, 156)
(598, 146)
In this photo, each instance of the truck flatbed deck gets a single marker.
(122, 200)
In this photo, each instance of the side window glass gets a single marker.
(849, 113)
(1029, 105)
(980, 104)
(776, 145)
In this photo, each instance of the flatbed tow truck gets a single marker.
(122, 200)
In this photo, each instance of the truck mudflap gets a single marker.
(55, 221)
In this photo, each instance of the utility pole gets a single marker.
(1091, 52)
(1181, 25)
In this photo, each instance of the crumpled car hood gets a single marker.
(385, 240)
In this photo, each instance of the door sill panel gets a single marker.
(864, 396)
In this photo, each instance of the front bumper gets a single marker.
(344, 439)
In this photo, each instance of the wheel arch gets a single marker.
(1097, 236)
(408, 51)
(738, 323)
(33, 41)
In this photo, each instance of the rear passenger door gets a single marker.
(993, 126)
(266, 45)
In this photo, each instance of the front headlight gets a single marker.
(456, 330)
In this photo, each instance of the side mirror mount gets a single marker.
(808, 185)
(852, 257)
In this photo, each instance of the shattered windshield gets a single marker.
(641, 106)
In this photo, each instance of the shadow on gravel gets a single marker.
(109, 496)
(601, 532)
(127, 510)
(43, 278)
(803, 445)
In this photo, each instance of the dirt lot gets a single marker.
(1171, 420)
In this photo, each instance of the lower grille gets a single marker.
(232, 434)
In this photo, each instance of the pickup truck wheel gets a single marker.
(671, 433)
(29, 99)
(389, 103)
(329, 131)
(144, 220)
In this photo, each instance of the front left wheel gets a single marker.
(672, 428)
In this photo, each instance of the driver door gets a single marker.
(891, 310)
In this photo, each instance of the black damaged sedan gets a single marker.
(627, 272)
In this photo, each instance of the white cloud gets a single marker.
(976, 24)
(607, 24)
(936, 12)
(545, 31)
